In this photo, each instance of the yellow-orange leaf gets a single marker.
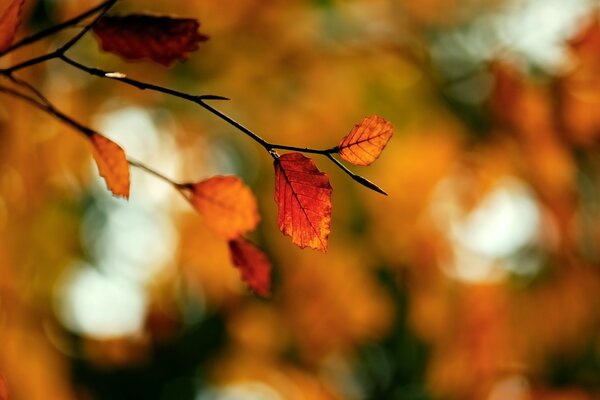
(9, 21)
(366, 141)
(303, 196)
(253, 264)
(112, 164)
(228, 206)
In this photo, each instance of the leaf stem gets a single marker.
(151, 171)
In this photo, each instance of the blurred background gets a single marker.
(478, 277)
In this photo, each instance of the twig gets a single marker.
(49, 109)
(363, 181)
(29, 87)
(145, 168)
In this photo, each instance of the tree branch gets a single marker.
(200, 100)
(49, 109)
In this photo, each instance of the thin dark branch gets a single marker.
(304, 149)
(56, 28)
(31, 62)
(363, 181)
(31, 88)
(145, 168)
(50, 109)
(186, 96)
(63, 49)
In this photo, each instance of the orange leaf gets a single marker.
(366, 141)
(303, 196)
(253, 264)
(9, 21)
(158, 38)
(112, 164)
(228, 206)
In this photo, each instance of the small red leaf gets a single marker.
(303, 196)
(140, 36)
(253, 264)
(227, 205)
(112, 164)
(366, 141)
(9, 22)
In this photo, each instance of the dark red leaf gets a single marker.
(253, 264)
(303, 196)
(9, 22)
(158, 38)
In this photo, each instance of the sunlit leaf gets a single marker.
(158, 38)
(9, 21)
(303, 196)
(366, 141)
(253, 264)
(112, 164)
(228, 206)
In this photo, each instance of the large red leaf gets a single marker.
(303, 196)
(366, 141)
(112, 164)
(9, 22)
(253, 264)
(227, 205)
(140, 36)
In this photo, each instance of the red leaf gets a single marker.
(253, 264)
(303, 196)
(366, 141)
(112, 164)
(227, 205)
(9, 22)
(158, 38)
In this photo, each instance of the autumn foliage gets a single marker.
(157, 159)
(138, 36)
